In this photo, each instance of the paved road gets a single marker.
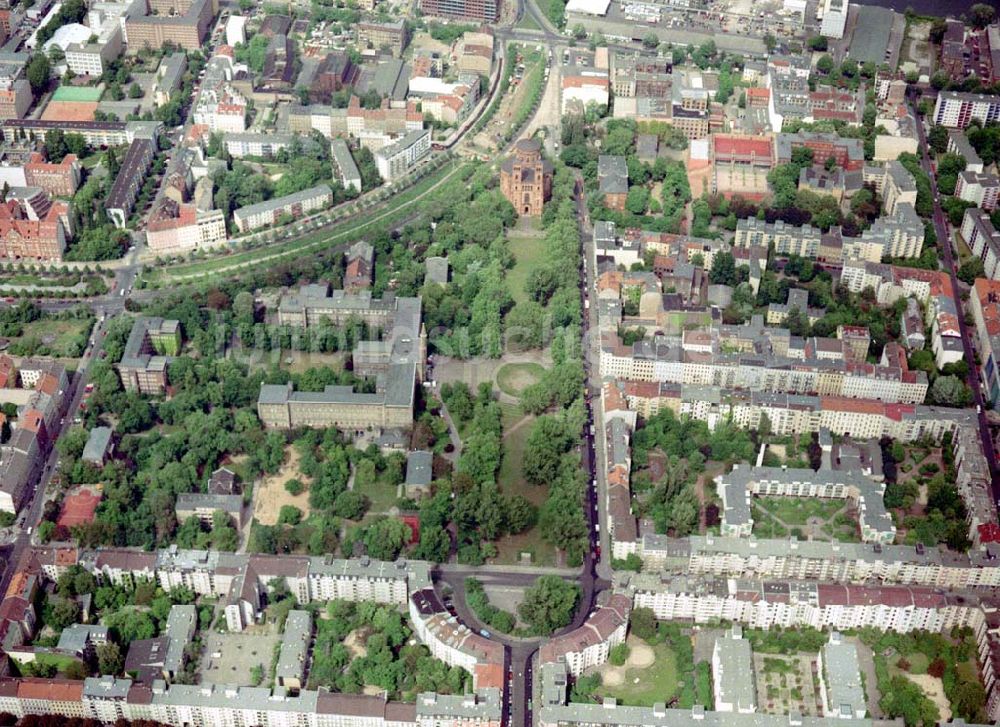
(945, 245)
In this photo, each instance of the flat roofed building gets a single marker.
(487, 11)
(148, 350)
(204, 506)
(733, 673)
(293, 653)
(840, 679)
(131, 177)
(269, 212)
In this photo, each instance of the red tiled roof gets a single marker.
(54, 690)
(736, 145)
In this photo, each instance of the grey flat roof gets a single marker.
(278, 202)
(97, 444)
(871, 34)
(294, 645)
(418, 468)
(199, 500)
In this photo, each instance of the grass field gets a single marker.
(512, 482)
(646, 686)
(60, 338)
(798, 510)
(528, 23)
(380, 494)
(513, 378)
(527, 254)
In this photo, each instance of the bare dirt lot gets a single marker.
(238, 654)
(270, 494)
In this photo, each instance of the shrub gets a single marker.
(618, 654)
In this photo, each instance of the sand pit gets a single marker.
(934, 689)
(355, 643)
(270, 494)
(641, 654)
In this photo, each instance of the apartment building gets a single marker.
(293, 653)
(398, 158)
(634, 76)
(733, 679)
(738, 487)
(834, 17)
(179, 227)
(130, 179)
(95, 133)
(766, 604)
(892, 282)
(957, 109)
(33, 229)
(849, 154)
(485, 11)
(264, 214)
(345, 168)
(242, 144)
(983, 240)
(958, 143)
(984, 302)
(389, 35)
(109, 699)
(221, 108)
(148, 351)
(184, 23)
(454, 643)
(58, 180)
(589, 645)
(15, 98)
(36, 386)
(841, 687)
(780, 559)
(894, 184)
(92, 59)
(981, 189)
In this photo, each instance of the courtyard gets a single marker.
(239, 658)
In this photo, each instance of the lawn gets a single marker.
(798, 510)
(380, 493)
(645, 686)
(512, 482)
(527, 255)
(53, 337)
(528, 23)
(513, 378)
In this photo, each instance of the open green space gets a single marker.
(645, 686)
(64, 338)
(512, 482)
(513, 378)
(528, 23)
(350, 231)
(381, 494)
(798, 510)
(527, 253)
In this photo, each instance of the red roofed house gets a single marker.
(36, 239)
(590, 644)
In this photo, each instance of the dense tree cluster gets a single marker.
(476, 599)
(393, 661)
(549, 604)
